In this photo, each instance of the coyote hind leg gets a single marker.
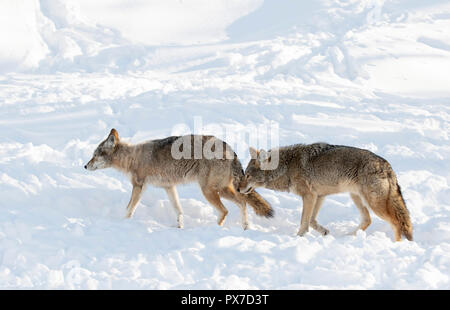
(364, 212)
(379, 207)
(213, 198)
(231, 195)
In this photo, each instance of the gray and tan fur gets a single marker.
(317, 170)
(152, 163)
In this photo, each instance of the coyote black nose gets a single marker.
(85, 166)
(238, 190)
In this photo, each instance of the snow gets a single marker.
(371, 74)
(171, 21)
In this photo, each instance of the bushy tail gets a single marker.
(259, 204)
(397, 205)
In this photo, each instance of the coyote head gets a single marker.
(102, 157)
(255, 174)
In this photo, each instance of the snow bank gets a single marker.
(22, 46)
(169, 22)
(47, 33)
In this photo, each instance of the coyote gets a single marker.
(152, 162)
(320, 169)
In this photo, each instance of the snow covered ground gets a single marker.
(372, 74)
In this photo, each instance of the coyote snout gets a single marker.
(254, 174)
(244, 186)
(94, 164)
(102, 157)
(97, 162)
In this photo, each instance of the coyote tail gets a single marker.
(259, 204)
(397, 206)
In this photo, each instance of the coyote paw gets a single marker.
(245, 226)
(319, 228)
(301, 233)
(323, 231)
(221, 221)
(180, 222)
(353, 232)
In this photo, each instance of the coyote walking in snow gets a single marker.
(152, 162)
(317, 170)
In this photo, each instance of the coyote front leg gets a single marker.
(313, 222)
(173, 197)
(135, 196)
(309, 201)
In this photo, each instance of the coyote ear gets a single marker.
(113, 138)
(253, 153)
(114, 133)
(264, 156)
